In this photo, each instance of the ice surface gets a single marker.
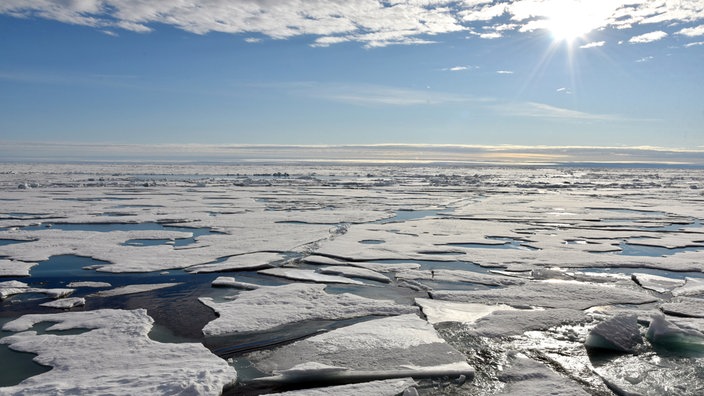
(9, 288)
(447, 275)
(251, 261)
(15, 268)
(509, 323)
(308, 275)
(657, 283)
(132, 289)
(115, 357)
(620, 333)
(65, 303)
(272, 306)
(692, 286)
(669, 335)
(683, 306)
(355, 273)
(89, 284)
(391, 387)
(438, 311)
(394, 347)
(527, 377)
(229, 281)
(550, 294)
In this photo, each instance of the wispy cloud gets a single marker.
(456, 68)
(692, 31)
(564, 91)
(545, 111)
(504, 72)
(648, 37)
(593, 44)
(645, 59)
(694, 44)
(372, 23)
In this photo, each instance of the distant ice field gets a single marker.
(469, 280)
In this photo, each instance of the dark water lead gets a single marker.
(15, 366)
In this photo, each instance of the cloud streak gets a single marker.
(369, 22)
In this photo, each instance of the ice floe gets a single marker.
(660, 284)
(253, 261)
(272, 306)
(229, 281)
(620, 333)
(550, 294)
(15, 268)
(684, 306)
(10, 288)
(308, 275)
(115, 357)
(394, 347)
(132, 289)
(691, 287)
(90, 284)
(438, 311)
(65, 303)
(528, 377)
(355, 272)
(390, 387)
(663, 332)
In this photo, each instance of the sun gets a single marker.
(568, 20)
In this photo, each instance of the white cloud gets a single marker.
(645, 59)
(564, 90)
(370, 22)
(504, 72)
(593, 44)
(373, 95)
(456, 68)
(648, 37)
(545, 111)
(694, 44)
(692, 31)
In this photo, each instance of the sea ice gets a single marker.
(271, 306)
(253, 261)
(308, 275)
(132, 289)
(509, 323)
(394, 347)
(684, 306)
(9, 288)
(660, 284)
(115, 357)
(438, 311)
(620, 333)
(550, 294)
(390, 387)
(692, 286)
(15, 268)
(355, 272)
(65, 303)
(528, 377)
(229, 281)
(95, 285)
(667, 334)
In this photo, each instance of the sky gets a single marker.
(77, 75)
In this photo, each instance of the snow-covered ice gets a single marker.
(390, 387)
(438, 311)
(660, 284)
(132, 289)
(620, 333)
(272, 306)
(308, 275)
(229, 281)
(115, 357)
(528, 377)
(393, 347)
(65, 303)
(15, 268)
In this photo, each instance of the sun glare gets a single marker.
(569, 20)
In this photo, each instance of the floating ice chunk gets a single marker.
(528, 377)
(669, 335)
(390, 387)
(508, 323)
(308, 275)
(552, 294)
(251, 261)
(229, 281)
(15, 268)
(323, 260)
(620, 333)
(660, 284)
(132, 289)
(438, 311)
(96, 285)
(692, 286)
(115, 357)
(272, 306)
(388, 267)
(65, 303)
(395, 347)
(683, 306)
(304, 370)
(355, 272)
(447, 275)
(10, 288)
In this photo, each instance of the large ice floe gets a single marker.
(114, 356)
(350, 279)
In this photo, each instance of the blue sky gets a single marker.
(525, 72)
